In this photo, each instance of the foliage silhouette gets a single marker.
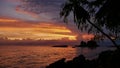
(98, 14)
(90, 44)
(83, 44)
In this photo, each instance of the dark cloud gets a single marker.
(45, 8)
(39, 6)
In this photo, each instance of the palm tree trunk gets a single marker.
(104, 34)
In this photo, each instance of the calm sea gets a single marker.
(40, 56)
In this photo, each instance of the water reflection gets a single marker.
(32, 56)
(39, 57)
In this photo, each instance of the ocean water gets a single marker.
(41, 56)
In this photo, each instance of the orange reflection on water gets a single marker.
(32, 56)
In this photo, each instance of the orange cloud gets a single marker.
(87, 36)
(31, 33)
(8, 20)
(16, 29)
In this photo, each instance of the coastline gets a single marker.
(106, 59)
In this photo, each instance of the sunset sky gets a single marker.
(36, 19)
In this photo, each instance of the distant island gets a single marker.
(60, 46)
(91, 43)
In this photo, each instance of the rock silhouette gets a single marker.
(106, 59)
(90, 44)
(58, 64)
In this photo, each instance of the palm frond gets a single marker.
(109, 15)
(79, 12)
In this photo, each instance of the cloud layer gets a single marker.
(48, 9)
(15, 29)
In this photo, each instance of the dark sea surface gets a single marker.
(41, 56)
